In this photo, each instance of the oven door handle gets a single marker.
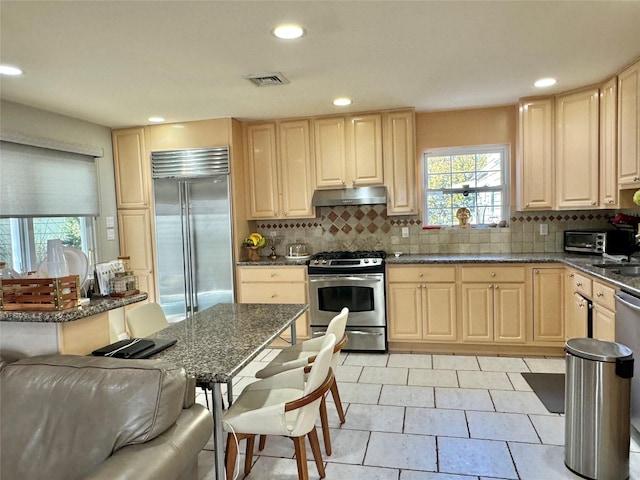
(347, 279)
(348, 332)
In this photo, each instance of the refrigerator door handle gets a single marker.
(188, 261)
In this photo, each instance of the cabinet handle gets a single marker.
(496, 287)
(286, 213)
(344, 182)
(571, 275)
(536, 272)
(610, 201)
(273, 274)
(493, 274)
(635, 179)
(599, 294)
(274, 295)
(527, 205)
(421, 274)
(593, 203)
(578, 284)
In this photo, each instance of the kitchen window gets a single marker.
(23, 241)
(466, 177)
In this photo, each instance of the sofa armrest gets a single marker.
(165, 457)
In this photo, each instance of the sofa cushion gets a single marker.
(63, 415)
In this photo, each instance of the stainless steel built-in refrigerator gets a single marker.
(193, 230)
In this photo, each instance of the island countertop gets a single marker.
(96, 306)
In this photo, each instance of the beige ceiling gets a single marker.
(116, 63)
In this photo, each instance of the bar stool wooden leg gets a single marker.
(336, 399)
(301, 458)
(248, 458)
(317, 454)
(325, 426)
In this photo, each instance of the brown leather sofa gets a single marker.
(66, 417)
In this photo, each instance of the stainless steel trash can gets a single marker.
(597, 408)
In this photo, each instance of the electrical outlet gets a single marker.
(111, 234)
(405, 232)
(544, 229)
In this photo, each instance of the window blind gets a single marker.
(40, 182)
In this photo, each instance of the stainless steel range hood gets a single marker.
(350, 196)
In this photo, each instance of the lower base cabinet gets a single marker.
(276, 285)
(548, 304)
(421, 307)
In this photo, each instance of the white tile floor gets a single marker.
(429, 417)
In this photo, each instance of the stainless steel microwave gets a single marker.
(612, 242)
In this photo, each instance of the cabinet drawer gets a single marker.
(273, 293)
(582, 284)
(604, 295)
(493, 274)
(421, 274)
(272, 274)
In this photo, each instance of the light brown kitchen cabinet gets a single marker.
(535, 164)
(548, 285)
(629, 127)
(132, 168)
(348, 151)
(136, 242)
(421, 302)
(576, 149)
(604, 311)
(275, 285)
(609, 197)
(493, 304)
(400, 162)
(578, 287)
(279, 165)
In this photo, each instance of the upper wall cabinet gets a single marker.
(609, 197)
(131, 167)
(400, 162)
(629, 127)
(535, 162)
(348, 151)
(576, 153)
(279, 165)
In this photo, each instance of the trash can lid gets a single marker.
(598, 350)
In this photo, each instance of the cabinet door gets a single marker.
(400, 163)
(477, 312)
(509, 312)
(629, 127)
(295, 170)
(132, 168)
(535, 155)
(608, 145)
(548, 304)
(405, 311)
(604, 324)
(577, 149)
(262, 188)
(136, 242)
(440, 312)
(365, 150)
(577, 321)
(330, 151)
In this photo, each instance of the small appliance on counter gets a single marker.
(597, 242)
(297, 251)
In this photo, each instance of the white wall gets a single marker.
(33, 122)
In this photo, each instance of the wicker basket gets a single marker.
(40, 294)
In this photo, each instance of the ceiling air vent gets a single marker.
(267, 79)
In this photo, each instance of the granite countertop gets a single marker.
(216, 343)
(583, 263)
(266, 261)
(97, 305)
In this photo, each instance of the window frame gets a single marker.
(504, 189)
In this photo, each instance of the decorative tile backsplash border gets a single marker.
(367, 227)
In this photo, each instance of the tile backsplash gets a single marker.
(367, 227)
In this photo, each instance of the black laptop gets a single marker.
(134, 348)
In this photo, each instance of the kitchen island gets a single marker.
(78, 330)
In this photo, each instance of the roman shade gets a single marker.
(41, 182)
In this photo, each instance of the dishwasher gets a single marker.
(628, 333)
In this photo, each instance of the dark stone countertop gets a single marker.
(97, 305)
(580, 262)
(216, 343)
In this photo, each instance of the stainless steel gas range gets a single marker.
(354, 280)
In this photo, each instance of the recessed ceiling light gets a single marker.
(342, 102)
(545, 82)
(288, 31)
(156, 119)
(9, 70)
